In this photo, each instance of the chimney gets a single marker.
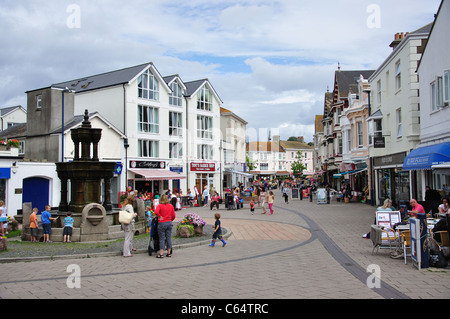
(300, 139)
(398, 37)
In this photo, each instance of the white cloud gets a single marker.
(289, 49)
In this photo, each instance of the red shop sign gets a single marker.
(203, 167)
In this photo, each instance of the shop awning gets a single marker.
(356, 171)
(157, 174)
(233, 171)
(427, 156)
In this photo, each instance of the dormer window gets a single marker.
(148, 86)
(204, 99)
(175, 95)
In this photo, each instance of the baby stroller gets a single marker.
(153, 245)
(229, 201)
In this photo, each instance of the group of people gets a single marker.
(47, 219)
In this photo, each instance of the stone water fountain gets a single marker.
(93, 220)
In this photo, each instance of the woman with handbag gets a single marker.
(166, 214)
(128, 228)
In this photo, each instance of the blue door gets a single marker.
(36, 191)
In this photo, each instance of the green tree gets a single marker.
(297, 166)
(250, 164)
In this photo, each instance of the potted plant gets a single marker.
(191, 224)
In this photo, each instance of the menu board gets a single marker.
(295, 193)
(388, 219)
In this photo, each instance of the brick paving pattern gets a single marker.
(302, 251)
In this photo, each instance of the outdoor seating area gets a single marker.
(418, 239)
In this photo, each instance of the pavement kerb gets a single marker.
(106, 254)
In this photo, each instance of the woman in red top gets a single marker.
(166, 214)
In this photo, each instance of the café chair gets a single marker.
(442, 239)
(378, 240)
(405, 237)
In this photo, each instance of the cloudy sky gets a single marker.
(270, 61)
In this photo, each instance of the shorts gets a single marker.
(34, 232)
(67, 231)
(217, 234)
(47, 228)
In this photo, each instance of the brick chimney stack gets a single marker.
(398, 37)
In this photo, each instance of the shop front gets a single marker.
(154, 177)
(204, 175)
(391, 181)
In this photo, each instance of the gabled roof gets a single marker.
(318, 123)
(16, 131)
(264, 147)
(295, 145)
(347, 82)
(108, 79)
(193, 86)
(171, 78)
(226, 112)
(78, 119)
(7, 110)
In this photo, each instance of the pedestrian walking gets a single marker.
(271, 199)
(263, 200)
(4, 218)
(252, 206)
(128, 229)
(286, 191)
(217, 232)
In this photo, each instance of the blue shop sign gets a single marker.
(176, 169)
(119, 168)
(5, 172)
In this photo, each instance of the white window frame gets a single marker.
(148, 86)
(379, 92)
(439, 91)
(175, 97)
(205, 152)
(204, 99)
(205, 127)
(447, 86)
(433, 96)
(359, 131)
(148, 148)
(148, 119)
(39, 101)
(175, 124)
(398, 116)
(398, 76)
(175, 150)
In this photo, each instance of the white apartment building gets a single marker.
(168, 130)
(394, 121)
(431, 158)
(233, 157)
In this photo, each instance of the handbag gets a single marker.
(125, 217)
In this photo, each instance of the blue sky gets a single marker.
(270, 61)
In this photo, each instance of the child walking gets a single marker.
(252, 206)
(217, 231)
(271, 198)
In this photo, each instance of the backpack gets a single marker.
(437, 259)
